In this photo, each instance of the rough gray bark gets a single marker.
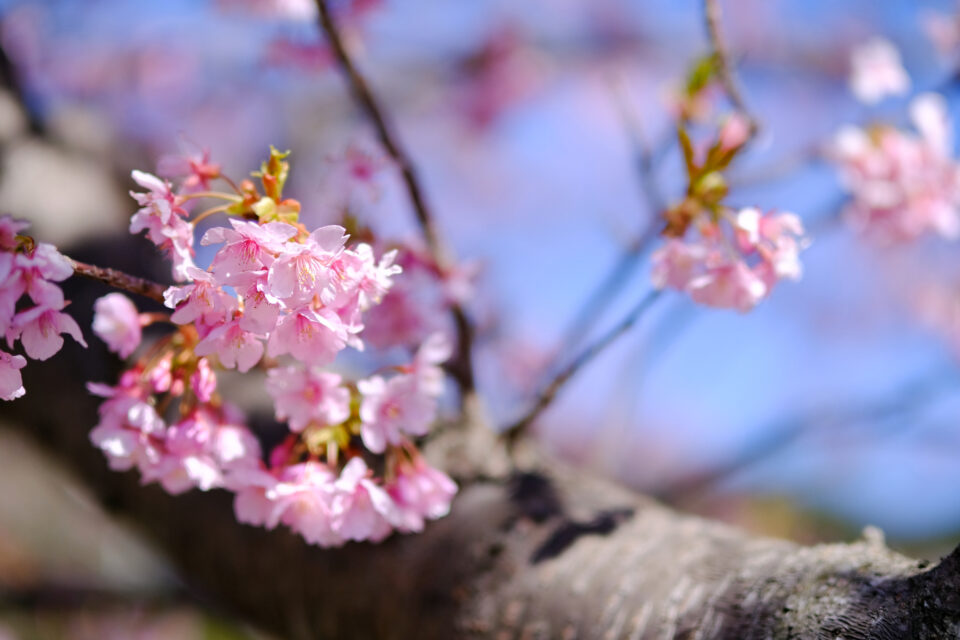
(548, 553)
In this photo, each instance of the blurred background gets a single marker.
(544, 135)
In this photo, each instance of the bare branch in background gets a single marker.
(776, 437)
(711, 11)
(550, 390)
(462, 367)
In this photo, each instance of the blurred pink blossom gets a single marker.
(877, 72)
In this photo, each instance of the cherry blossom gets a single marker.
(312, 337)
(272, 285)
(421, 492)
(394, 407)
(11, 383)
(903, 185)
(303, 270)
(734, 270)
(9, 228)
(198, 450)
(203, 300)
(233, 346)
(361, 509)
(248, 248)
(877, 72)
(130, 429)
(32, 269)
(193, 165)
(162, 216)
(305, 395)
(203, 381)
(40, 329)
(116, 322)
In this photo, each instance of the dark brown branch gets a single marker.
(711, 12)
(462, 369)
(120, 280)
(551, 554)
(549, 392)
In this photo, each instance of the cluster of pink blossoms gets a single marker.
(272, 289)
(735, 269)
(903, 184)
(30, 269)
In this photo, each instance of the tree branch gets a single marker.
(462, 369)
(777, 437)
(711, 12)
(120, 280)
(550, 390)
(553, 553)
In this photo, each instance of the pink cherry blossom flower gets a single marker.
(303, 500)
(193, 165)
(10, 227)
(233, 346)
(130, 430)
(117, 322)
(903, 185)
(392, 408)
(361, 509)
(260, 310)
(11, 383)
(34, 272)
(203, 381)
(413, 308)
(434, 351)
(198, 450)
(250, 502)
(40, 329)
(777, 239)
(877, 72)
(420, 492)
(203, 300)
(161, 216)
(312, 337)
(363, 279)
(734, 270)
(305, 395)
(248, 248)
(287, 9)
(727, 284)
(676, 263)
(302, 270)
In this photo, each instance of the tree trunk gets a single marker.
(544, 553)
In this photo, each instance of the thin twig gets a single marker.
(120, 280)
(711, 12)
(462, 369)
(604, 293)
(550, 390)
(785, 432)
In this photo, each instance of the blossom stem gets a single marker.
(711, 12)
(119, 280)
(461, 368)
(209, 212)
(550, 390)
(211, 194)
(233, 185)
